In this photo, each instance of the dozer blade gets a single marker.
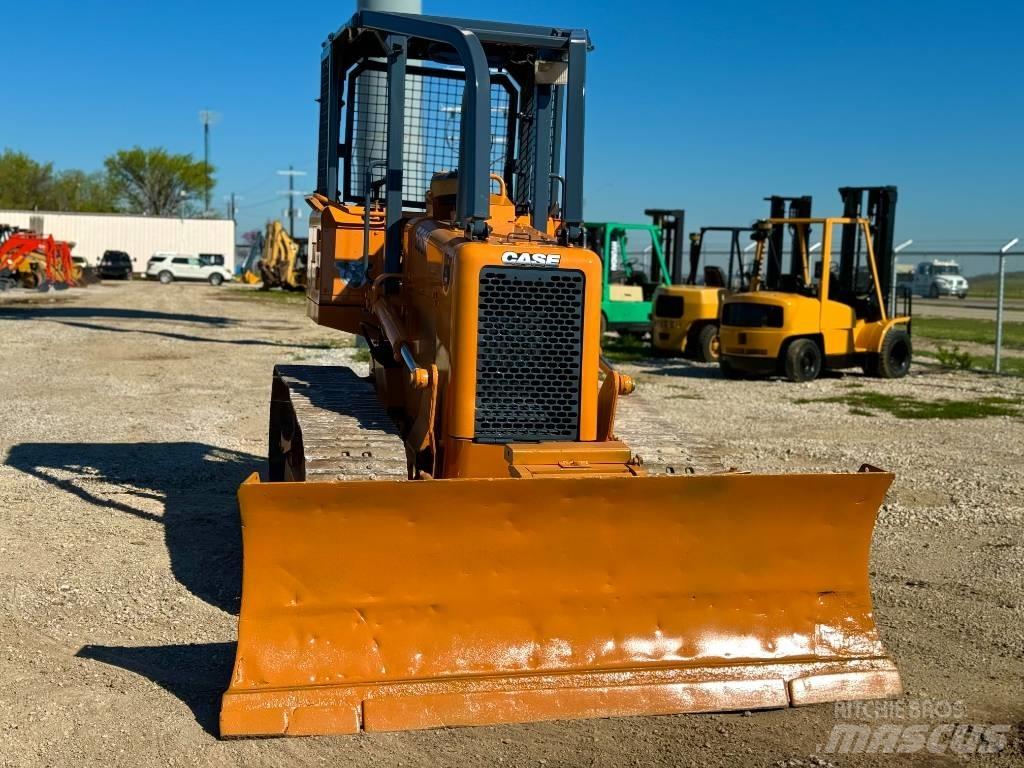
(390, 605)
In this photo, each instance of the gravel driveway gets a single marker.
(133, 411)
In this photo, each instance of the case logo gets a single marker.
(531, 259)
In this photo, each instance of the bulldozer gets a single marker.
(460, 537)
(798, 321)
(686, 316)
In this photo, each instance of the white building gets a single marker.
(139, 236)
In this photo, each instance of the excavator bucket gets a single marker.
(391, 605)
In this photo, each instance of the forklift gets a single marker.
(796, 320)
(686, 317)
(632, 273)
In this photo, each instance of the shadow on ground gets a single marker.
(244, 342)
(51, 312)
(195, 482)
(678, 367)
(197, 674)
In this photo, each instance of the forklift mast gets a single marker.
(671, 222)
(785, 208)
(880, 210)
(736, 267)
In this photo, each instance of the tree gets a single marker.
(80, 191)
(33, 186)
(155, 182)
(24, 183)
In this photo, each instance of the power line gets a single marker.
(266, 181)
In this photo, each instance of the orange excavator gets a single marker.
(460, 537)
(34, 261)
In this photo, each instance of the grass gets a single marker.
(968, 329)
(361, 355)
(275, 296)
(338, 342)
(905, 407)
(625, 349)
(988, 285)
(1012, 366)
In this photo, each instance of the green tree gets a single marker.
(155, 182)
(24, 183)
(86, 192)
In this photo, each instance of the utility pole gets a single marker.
(233, 204)
(291, 173)
(207, 117)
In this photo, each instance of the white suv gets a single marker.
(168, 267)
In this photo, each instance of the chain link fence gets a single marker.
(958, 321)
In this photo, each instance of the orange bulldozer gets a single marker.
(460, 538)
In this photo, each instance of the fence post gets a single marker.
(999, 303)
(891, 298)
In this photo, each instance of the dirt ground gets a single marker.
(133, 411)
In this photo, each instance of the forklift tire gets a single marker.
(803, 360)
(707, 344)
(893, 360)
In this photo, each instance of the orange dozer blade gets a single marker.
(391, 605)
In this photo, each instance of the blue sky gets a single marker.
(708, 106)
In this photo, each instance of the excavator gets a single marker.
(274, 261)
(279, 265)
(460, 537)
(35, 261)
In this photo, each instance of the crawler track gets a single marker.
(327, 424)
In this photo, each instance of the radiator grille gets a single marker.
(529, 350)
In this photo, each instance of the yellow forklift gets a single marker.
(685, 317)
(797, 321)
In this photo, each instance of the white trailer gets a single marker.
(139, 236)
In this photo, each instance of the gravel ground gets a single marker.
(135, 410)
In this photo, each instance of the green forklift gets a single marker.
(637, 259)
